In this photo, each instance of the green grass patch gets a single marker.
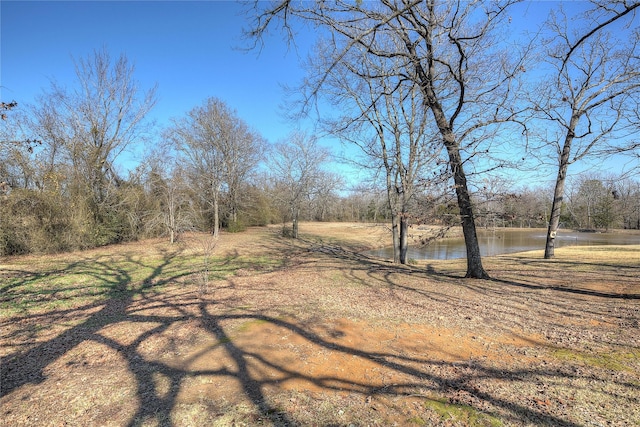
(67, 284)
(244, 327)
(613, 361)
(465, 414)
(63, 284)
(417, 421)
(47, 294)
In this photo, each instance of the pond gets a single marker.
(509, 241)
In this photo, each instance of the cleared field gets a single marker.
(258, 329)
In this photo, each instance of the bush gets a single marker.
(236, 226)
(11, 242)
(287, 231)
(33, 221)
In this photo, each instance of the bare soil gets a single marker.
(311, 332)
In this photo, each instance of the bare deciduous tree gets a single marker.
(446, 49)
(173, 210)
(385, 118)
(5, 139)
(589, 97)
(296, 169)
(85, 128)
(241, 154)
(220, 150)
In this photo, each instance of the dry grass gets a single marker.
(310, 332)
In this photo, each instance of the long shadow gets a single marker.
(378, 274)
(117, 305)
(371, 265)
(122, 302)
(18, 370)
(394, 362)
(252, 387)
(21, 368)
(574, 291)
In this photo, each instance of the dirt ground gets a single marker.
(312, 332)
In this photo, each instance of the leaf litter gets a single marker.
(311, 332)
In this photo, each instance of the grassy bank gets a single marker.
(257, 329)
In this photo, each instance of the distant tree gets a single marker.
(627, 191)
(259, 207)
(363, 203)
(296, 165)
(172, 210)
(490, 198)
(84, 129)
(219, 150)
(17, 165)
(241, 154)
(588, 99)
(584, 203)
(531, 207)
(323, 205)
(593, 205)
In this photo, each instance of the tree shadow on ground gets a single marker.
(141, 301)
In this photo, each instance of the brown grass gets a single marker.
(311, 332)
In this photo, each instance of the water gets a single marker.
(509, 241)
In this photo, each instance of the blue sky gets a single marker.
(192, 50)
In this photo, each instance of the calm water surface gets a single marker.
(509, 241)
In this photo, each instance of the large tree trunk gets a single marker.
(404, 238)
(395, 236)
(216, 216)
(558, 198)
(294, 230)
(426, 76)
(474, 260)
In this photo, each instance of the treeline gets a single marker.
(61, 188)
(51, 211)
(591, 202)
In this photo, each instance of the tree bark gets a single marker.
(294, 228)
(404, 238)
(216, 216)
(558, 197)
(426, 76)
(395, 236)
(475, 269)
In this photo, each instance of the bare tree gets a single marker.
(173, 210)
(296, 164)
(446, 49)
(220, 150)
(95, 122)
(5, 139)
(325, 200)
(85, 128)
(628, 192)
(603, 14)
(17, 165)
(241, 153)
(589, 97)
(490, 200)
(385, 118)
